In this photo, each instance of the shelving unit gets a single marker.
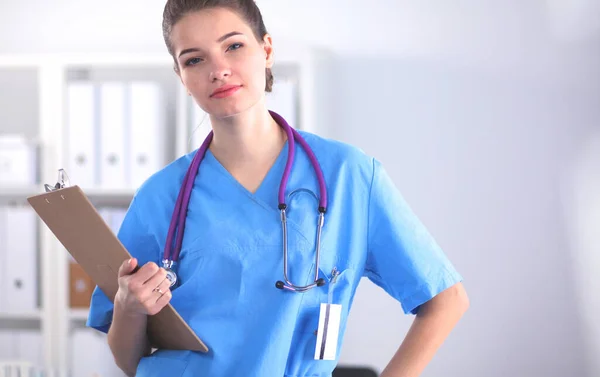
(78, 314)
(106, 197)
(54, 318)
(29, 316)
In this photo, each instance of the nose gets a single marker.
(219, 71)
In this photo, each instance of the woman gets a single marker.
(231, 251)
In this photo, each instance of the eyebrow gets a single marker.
(221, 39)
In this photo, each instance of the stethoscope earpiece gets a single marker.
(281, 285)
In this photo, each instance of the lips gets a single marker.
(225, 90)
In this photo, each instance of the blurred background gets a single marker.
(485, 113)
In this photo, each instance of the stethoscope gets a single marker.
(171, 253)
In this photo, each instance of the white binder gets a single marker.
(283, 100)
(29, 347)
(116, 220)
(198, 126)
(113, 216)
(20, 285)
(8, 342)
(147, 131)
(113, 116)
(17, 161)
(105, 214)
(91, 356)
(3, 262)
(81, 139)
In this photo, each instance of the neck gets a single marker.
(247, 138)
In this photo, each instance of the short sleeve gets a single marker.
(141, 244)
(403, 257)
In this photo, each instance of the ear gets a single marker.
(268, 47)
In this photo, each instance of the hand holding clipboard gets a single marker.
(72, 218)
(146, 289)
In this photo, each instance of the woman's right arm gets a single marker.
(140, 294)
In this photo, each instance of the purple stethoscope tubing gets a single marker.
(178, 219)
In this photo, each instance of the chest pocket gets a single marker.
(338, 290)
(303, 215)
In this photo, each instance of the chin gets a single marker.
(231, 109)
(225, 113)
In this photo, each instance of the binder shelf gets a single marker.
(17, 196)
(65, 121)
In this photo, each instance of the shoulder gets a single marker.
(339, 156)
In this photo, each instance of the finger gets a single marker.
(160, 290)
(161, 302)
(155, 280)
(146, 272)
(127, 267)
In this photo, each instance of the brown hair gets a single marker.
(175, 10)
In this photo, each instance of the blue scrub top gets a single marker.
(232, 256)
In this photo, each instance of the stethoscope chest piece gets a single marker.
(171, 275)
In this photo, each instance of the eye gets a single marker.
(193, 61)
(235, 46)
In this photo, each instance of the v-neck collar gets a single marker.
(267, 192)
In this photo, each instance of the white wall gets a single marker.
(581, 185)
(482, 161)
(479, 110)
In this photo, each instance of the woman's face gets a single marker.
(221, 63)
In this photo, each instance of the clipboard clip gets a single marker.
(63, 181)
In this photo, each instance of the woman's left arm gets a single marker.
(432, 325)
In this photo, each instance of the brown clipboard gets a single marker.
(72, 218)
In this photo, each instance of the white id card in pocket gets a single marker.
(328, 333)
(329, 324)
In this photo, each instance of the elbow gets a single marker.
(129, 373)
(458, 298)
(127, 366)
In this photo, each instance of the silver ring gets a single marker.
(157, 289)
